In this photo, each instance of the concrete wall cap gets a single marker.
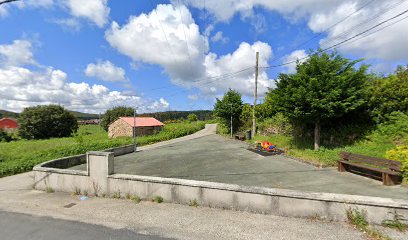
(99, 153)
(331, 197)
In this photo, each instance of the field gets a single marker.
(20, 156)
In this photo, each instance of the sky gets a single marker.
(181, 54)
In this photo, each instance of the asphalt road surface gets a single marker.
(16, 226)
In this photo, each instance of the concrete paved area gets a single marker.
(18, 226)
(210, 157)
(147, 219)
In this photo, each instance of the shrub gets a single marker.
(400, 153)
(46, 121)
(5, 136)
(192, 117)
(278, 124)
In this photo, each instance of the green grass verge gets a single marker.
(22, 155)
(371, 146)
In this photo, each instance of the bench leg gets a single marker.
(389, 180)
(341, 167)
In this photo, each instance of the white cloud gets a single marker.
(96, 11)
(4, 8)
(106, 71)
(21, 87)
(69, 23)
(294, 56)
(193, 97)
(187, 67)
(388, 44)
(17, 53)
(218, 37)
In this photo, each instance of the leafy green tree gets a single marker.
(230, 104)
(390, 94)
(192, 117)
(246, 115)
(46, 121)
(324, 87)
(114, 114)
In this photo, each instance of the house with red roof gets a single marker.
(8, 124)
(124, 126)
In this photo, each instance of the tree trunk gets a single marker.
(317, 135)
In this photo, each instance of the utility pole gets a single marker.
(134, 129)
(255, 96)
(231, 118)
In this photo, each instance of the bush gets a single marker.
(46, 121)
(400, 153)
(278, 124)
(5, 136)
(192, 117)
(113, 114)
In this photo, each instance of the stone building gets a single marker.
(124, 126)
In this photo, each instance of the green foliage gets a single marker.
(278, 124)
(168, 116)
(157, 199)
(324, 88)
(23, 155)
(192, 117)
(46, 121)
(400, 153)
(135, 199)
(49, 190)
(358, 219)
(114, 114)
(246, 116)
(230, 104)
(193, 203)
(389, 94)
(5, 136)
(396, 222)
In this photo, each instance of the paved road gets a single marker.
(16, 226)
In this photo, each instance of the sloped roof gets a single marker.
(142, 121)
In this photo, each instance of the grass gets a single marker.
(358, 220)
(22, 155)
(157, 199)
(372, 145)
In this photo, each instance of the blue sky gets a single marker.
(167, 55)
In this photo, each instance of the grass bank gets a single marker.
(22, 155)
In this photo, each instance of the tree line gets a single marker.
(327, 92)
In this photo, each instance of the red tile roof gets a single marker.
(142, 121)
(8, 123)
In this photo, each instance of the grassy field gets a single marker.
(20, 156)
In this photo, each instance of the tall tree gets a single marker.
(390, 94)
(114, 114)
(46, 121)
(324, 87)
(230, 104)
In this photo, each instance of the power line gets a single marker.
(7, 1)
(326, 29)
(344, 41)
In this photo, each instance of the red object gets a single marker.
(8, 123)
(142, 121)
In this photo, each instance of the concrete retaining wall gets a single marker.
(100, 179)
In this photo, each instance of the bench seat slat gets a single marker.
(371, 168)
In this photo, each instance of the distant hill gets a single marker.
(85, 116)
(4, 113)
(174, 115)
(79, 115)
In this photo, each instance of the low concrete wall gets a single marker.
(100, 179)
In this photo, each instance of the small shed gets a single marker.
(124, 126)
(8, 124)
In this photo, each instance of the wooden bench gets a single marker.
(390, 171)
